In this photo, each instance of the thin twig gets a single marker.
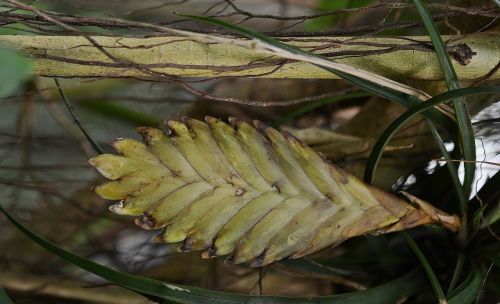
(94, 144)
(466, 161)
(492, 12)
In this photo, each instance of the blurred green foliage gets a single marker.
(14, 70)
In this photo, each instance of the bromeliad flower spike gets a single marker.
(254, 194)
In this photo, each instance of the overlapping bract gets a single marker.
(255, 194)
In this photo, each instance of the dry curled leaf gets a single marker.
(255, 194)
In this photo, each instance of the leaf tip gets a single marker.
(146, 221)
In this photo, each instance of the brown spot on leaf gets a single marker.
(175, 173)
(462, 53)
(239, 192)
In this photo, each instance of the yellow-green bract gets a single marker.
(254, 194)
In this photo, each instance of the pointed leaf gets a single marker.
(386, 136)
(390, 292)
(469, 290)
(4, 297)
(465, 132)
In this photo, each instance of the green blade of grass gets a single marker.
(492, 217)
(367, 85)
(456, 272)
(4, 297)
(386, 136)
(427, 267)
(460, 195)
(391, 292)
(469, 290)
(466, 133)
(316, 104)
(462, 200)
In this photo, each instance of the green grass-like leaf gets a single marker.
(466, 136)
(427, 267)
(451, 167)
(391, 130)
(456, 272)
(391, 292)
(466, 133)
(4, 297)
(469, 290)
(386, 136)
(460, 195)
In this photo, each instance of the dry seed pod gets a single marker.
(252, 193)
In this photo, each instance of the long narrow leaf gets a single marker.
(391, 292)
(386, 136)
(4, 298)
(370, 82)
(456, 273)
(466, 133)
(451, 168)
(427, 267)
(469, 290)
(460, 195)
